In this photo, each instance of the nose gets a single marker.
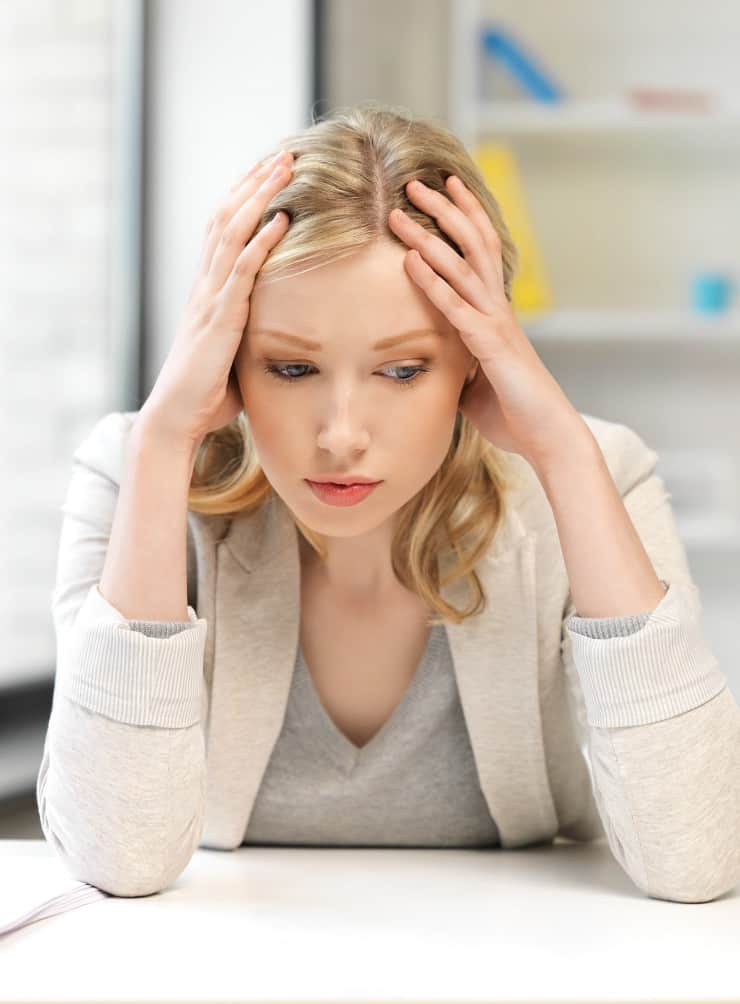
(344, 431)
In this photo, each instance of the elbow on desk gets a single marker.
(117, 880)
(691, 893)
(128, 858)
(121, 874)
(695, 888)
(122, 806)
(131, 867)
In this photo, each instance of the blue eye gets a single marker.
(277, 372)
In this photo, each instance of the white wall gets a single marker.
(56, 106)
(229, 79)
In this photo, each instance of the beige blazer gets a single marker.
(633, 737)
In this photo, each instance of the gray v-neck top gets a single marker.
(413, 784)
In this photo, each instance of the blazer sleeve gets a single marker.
(121, 785)
(661, 725)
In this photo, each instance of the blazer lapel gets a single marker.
(495, 654)
(249, 590)
(253, 611)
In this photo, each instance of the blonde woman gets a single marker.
(493, 643)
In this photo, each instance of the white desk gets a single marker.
(549, 923)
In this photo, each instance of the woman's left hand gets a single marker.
(514, 400)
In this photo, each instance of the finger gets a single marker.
(463, 230)
(443, 259)
(264, 167)
(233, 300)
(241, 228)
(223, 216)
(252, 170)
(225, 211)
(471, 206)
(461, 314)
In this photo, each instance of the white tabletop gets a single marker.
(552, 923)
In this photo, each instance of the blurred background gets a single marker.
(608, 132)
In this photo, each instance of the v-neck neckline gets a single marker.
(341, 748)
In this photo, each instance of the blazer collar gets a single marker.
(249, 590)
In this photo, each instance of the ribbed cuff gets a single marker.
(662, 670)
(608, 627)
(160, 629)
(130, 676)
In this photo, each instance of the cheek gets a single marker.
(271, 423)
(438, 403)
(429, 427)
(257, 393)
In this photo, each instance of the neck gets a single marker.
(338, 577)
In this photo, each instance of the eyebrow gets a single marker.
(384, 343)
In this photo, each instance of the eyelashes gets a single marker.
(276, 371)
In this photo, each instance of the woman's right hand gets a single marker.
(196, 390)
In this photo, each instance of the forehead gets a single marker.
(367, 291)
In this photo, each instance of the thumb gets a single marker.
(231, 406)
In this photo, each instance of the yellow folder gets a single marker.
(530, 290)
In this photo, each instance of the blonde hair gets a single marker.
(350, 170)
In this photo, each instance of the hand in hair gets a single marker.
(197, 391)
(514, 400)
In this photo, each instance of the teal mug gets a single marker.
(712, 292)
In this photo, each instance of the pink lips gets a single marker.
(341, 495)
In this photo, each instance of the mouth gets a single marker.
(358, 479)
(333, 493)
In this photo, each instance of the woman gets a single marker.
(498, 644)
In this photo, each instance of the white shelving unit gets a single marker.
(476, 118)
(680, 345)
(643, 326)
(600, 115)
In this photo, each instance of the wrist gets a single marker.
(574, 450)
(150, 432)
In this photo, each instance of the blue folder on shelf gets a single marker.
(500, 46)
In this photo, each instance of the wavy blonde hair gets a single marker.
(350, 170)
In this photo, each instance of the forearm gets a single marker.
(145, 571)
(609, 572)
(662, 728)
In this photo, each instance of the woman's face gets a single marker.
(351, 408)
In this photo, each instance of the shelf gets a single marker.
(600, 114)
(628, 325)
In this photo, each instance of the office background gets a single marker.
(125, 122)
